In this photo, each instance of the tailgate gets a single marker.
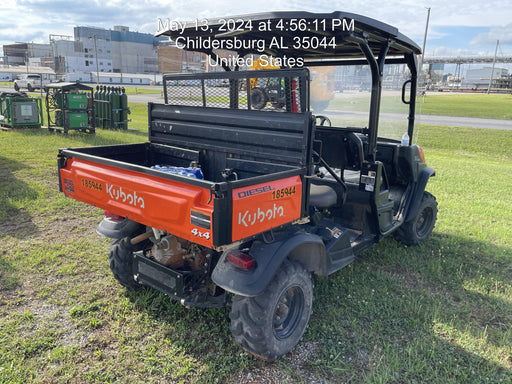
(177, 207)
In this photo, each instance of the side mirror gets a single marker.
(406, 89)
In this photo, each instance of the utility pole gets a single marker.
(424, 43)
(96, 54)
(493, 64)
(97, 70)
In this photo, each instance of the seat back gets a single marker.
(341, 148)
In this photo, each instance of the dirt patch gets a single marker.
(67, 225)
(413, 280)
(274, 373)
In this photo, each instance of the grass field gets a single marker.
(438, 313)
(470, 105)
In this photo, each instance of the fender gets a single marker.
(117, 229)
(304, 247)
(417, 192)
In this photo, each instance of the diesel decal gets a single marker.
(250, 218)
(118, 194)
(255, 191)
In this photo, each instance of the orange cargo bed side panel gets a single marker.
(178, 208)
(264, 206)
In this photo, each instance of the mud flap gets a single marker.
(417, 193)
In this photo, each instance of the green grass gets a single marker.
(472, 105)
(132, 90)
(437, 313)
(469, 105)
(360, 102)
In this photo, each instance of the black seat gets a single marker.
(322, 196)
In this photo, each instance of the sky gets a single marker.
(456, 27)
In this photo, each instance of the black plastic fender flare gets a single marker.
(299, 246)
(118, 229)
(417, 193)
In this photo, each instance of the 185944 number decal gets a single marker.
(91, 184)
(283, 192)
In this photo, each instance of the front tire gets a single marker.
(272, 323)
(420, 227)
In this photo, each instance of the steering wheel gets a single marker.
(321, 120)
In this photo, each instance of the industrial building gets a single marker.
(479, 78)
(20, 53)
(91, 49)
(100, 50)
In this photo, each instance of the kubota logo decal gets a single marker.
(250, 218)
(118, 194)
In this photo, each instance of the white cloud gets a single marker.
(34, 20)
(470, 13)
(455, 52)
(7, 4)
(502, 33)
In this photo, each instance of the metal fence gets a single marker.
(282, 90)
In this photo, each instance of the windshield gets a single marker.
(343, 93)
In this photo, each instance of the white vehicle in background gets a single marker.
(30, 82)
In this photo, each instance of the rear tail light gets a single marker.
(241, 260)
(113, 216)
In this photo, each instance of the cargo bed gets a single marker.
(194, 209)
(253, 164)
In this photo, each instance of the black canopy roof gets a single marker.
(348, 34)
(69, 86)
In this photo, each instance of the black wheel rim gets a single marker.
(424, 222)
(288, 312)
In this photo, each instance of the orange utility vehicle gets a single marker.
(231, 204)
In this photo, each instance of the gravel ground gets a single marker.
(290, 370)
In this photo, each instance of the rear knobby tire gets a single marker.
(120, 259)
(272, 323)
(420, 227)
(258, 98)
